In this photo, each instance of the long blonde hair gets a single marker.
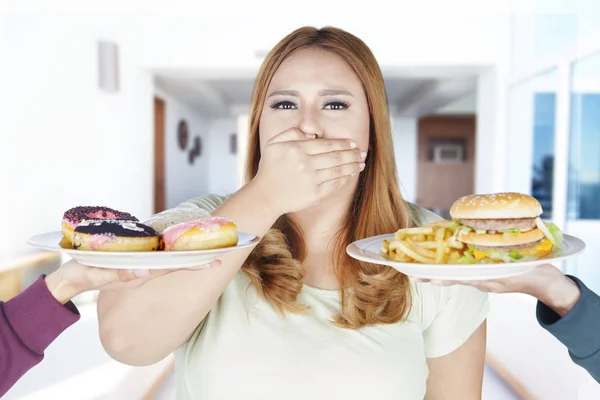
(369, 293)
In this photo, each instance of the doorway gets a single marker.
(159, 155)
(446, 161)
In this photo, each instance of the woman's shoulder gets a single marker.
(195, 208)
(209, 202)
(422, 216)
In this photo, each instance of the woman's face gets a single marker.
(316, 92)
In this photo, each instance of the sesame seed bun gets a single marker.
(496, 206)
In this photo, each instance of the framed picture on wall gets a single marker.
(196, 149)
(182, 134)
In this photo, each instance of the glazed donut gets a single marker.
(74, 216)
(203, 234)
(114, 235)
(165, 219)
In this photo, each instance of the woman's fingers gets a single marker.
(129, 275)
(212, 264)
(104, 276)
(289, 135)
(339, 171)
(489, 286)
(320, 146)
(337, 158)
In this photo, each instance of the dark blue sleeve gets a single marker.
(579, 329)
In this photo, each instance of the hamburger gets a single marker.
(503, 227)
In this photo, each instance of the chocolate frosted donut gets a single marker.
(74, 216)
(78, 214)
(115, 235)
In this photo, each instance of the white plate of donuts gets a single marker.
(102, 237)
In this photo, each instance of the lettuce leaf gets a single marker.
(556, 233)
(505, 256)
(515, 255)
(467, 258)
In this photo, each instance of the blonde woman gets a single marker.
(296, 318)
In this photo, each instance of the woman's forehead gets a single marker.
(314, 67)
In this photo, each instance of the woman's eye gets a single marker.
(284, 105)
(336, 105)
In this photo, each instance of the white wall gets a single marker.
(406, 136)
(93, 147)
(223, 165)
(521, 130)
(183, 180)
(464, 105)
(66, 142)
(465, 41)
(491, 134)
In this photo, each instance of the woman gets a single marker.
(296, 317)
(33, 319)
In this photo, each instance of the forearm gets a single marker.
(15, 358)
(133, 321)
(28, 324)
(143, 325)
(560, 294)
(578, 328)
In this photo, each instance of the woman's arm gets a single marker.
(29, 322)
(143, 325)
(133, 321)
(459, 375)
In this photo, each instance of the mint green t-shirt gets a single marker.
(244, 349)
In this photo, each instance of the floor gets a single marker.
(493, 388)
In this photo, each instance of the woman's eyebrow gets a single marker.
(285, 93)
(324, 92)
(333, 92)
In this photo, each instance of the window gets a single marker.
(554, 32)
(556, 25)
(531, 134)
(544, 131)
(538, 36)
(584, 143)
(448, 153)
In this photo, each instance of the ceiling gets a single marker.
(220, 97)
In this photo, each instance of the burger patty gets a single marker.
(519, 247)
(499, 224)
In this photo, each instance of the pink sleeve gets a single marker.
(28, 324)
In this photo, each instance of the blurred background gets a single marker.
(141, 105)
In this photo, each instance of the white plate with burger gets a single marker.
(490, 236)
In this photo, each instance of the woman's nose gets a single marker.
(309, 122)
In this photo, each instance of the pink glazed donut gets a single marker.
(202, 234)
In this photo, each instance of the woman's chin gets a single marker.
(339, 198)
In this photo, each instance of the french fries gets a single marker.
(434, 243)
